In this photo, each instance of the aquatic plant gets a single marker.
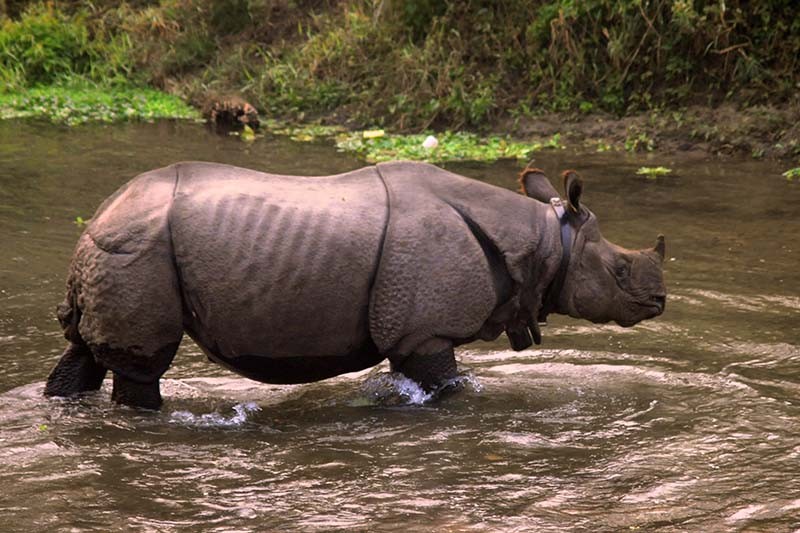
(77, 105)
(451, 146)
(247, 134)
(653, 172)
(792, 173)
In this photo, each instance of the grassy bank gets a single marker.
(640, 67)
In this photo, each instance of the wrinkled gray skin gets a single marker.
(288, 279)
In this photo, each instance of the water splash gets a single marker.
(394, 388)
(241, 411)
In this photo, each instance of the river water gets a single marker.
(687, 422)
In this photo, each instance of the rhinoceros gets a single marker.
(287, 279)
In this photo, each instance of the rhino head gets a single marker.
(598, 280)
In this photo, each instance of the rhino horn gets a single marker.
(660, 247)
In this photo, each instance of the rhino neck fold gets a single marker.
(553, 291)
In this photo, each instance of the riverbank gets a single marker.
(756, 132)
(660, 76)
(759, 132)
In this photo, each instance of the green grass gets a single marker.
(77, 105)
(792, 173)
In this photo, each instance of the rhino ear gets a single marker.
(573, 186)
(536, 185)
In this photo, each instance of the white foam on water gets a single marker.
(241, 412)
(396, 389)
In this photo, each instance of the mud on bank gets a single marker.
(757, 132)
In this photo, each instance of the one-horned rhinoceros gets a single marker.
(288, 279)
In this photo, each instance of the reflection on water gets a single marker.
(688, 422)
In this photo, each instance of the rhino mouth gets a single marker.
(650, 308)
(659, 301)
(656, 303)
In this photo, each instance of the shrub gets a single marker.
(43, 47)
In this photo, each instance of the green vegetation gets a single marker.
(637, 142)
(649, 70)
(62, 67)
(451, 147)
(792, 173)
(653, 172)
(414, 65)
(247, 134)
(76, 105)
(378, 145)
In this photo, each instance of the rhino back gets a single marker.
(277, 266)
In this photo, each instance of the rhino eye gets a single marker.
(623, 270)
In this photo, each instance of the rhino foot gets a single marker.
(135, 394)
(75, 372)
(431, 370)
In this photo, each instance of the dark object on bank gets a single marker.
(230, 113)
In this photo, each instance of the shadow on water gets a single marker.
(690, 421)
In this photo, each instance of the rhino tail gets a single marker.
(76, 371)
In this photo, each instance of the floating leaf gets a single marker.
(653, 172)
(248, 135)
(792, 173)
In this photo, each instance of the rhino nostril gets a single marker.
(660, 301)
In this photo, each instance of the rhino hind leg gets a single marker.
(76, 372)
(431, 369)
(137, 375)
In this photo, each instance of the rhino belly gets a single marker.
(279, 290)
(294, 369)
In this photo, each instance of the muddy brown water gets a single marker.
(687, 422)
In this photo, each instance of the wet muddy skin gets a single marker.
(690, 421)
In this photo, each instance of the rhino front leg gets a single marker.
(135, 394)
(75, 372)
(431, 364)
